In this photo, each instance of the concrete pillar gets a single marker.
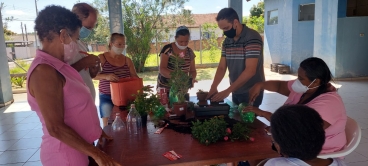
(116, 16)
(6, 93)
(237, 5)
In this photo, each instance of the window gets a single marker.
(306, 12)
(356, 8)
(273, 17)
(206, 35)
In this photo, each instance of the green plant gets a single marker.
(146, 101)
(213, 130)
(240, 131)
(209, 131)
(179, 80)
(18, 81)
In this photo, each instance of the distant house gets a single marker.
(196, 31)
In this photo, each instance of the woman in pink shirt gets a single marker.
(57, 93)
(312, 88)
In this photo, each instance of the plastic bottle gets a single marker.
(134, 120)
(118, 124)
(247, 117)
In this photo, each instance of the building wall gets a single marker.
(303, 36)
(278, 38)
(325, 32)
(352, 48)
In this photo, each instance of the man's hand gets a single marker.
(221, 96)
(90, 60)
(212, 92)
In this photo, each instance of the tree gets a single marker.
(211, 40)
(257, 10)
(101, 32)
(146, 21)
(7, 33)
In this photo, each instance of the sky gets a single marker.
(24, 10)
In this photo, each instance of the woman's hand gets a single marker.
(254, 92)
(256, 110)
(193, 81)
(104, 135)
(111, 77)
(102, 159)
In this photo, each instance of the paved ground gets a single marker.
(20, 129)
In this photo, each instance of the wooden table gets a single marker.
(147, 148)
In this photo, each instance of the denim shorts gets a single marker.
(106, 105)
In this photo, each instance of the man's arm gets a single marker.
(86, 62)
(220, 73)
(252, 53)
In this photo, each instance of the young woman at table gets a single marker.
(59, 96)
(298, 136)
(115, 65)
(312, 88)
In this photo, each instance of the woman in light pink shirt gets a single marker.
(57, 93)
(312, 88)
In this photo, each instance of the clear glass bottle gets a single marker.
(118, 124)
(134, 120)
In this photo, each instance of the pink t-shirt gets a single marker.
(332, 110)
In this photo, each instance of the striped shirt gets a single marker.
(167, 50)
(249, 45)
(119, 71)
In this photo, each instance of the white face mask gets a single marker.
(117, 50)
(180, 47)
(298, 87)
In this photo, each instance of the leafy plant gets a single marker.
(146, 101)
(18, 81)
(209, 131)
(211, 43)
(240, 131)
(213, 130)
(179, 81)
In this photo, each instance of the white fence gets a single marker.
(21, 52)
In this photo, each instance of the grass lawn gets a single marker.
(207, 57)
(150, 77)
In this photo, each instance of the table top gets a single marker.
(147, 148)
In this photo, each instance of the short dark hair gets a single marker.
(228, 14)
(182, 31)
(54, 18)
(114, 36)
(316, 68)
(298, 130)
(83, 10)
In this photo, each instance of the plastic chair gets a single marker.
(353, 136)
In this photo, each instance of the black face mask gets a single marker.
(230, 33)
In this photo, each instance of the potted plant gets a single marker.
(146, 102)
(202, 97)
(179, 84)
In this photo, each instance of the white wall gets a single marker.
(22, 52)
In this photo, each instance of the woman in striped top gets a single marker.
(180, 46)
(115, 65)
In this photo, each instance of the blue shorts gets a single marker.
(106, 105)
(244, 98)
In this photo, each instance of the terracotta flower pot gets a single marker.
(202, 96)
(180, 109)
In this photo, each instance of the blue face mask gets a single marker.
(84, 32)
